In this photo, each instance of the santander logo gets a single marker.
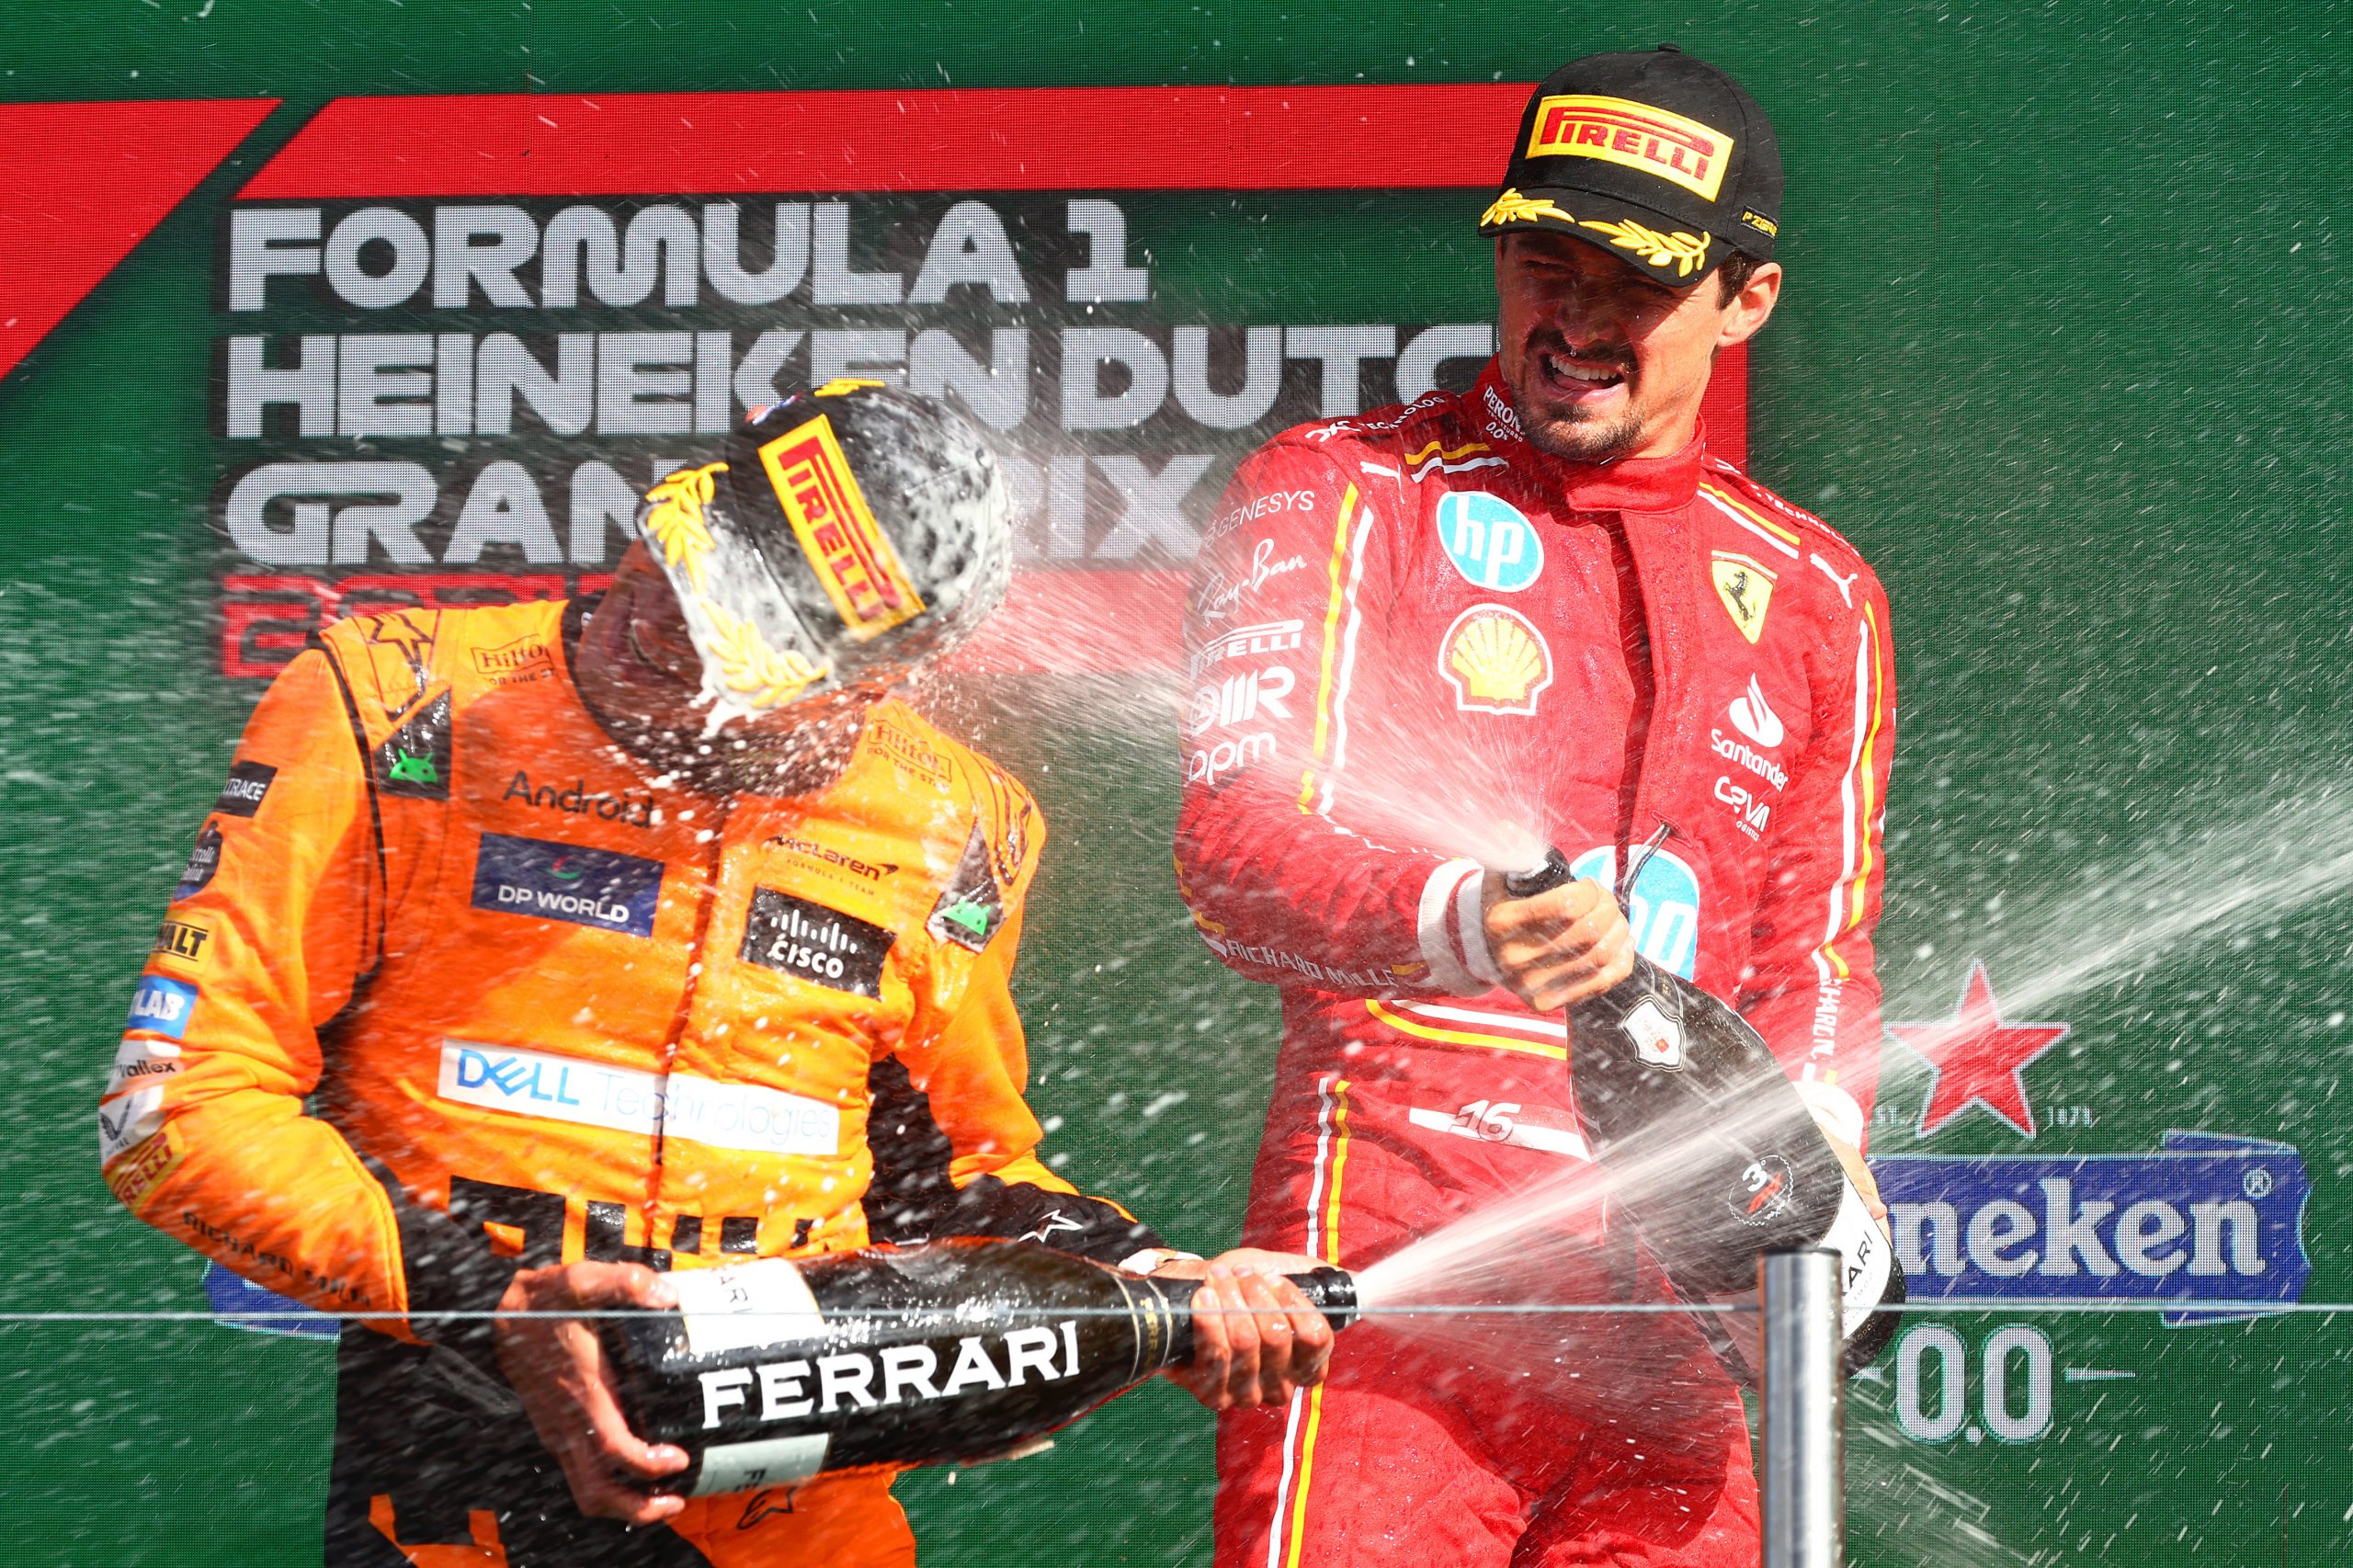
(1754, 717)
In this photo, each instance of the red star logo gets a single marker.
(1979, 1057)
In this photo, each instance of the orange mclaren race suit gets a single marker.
(453, 985)
(1412, 626)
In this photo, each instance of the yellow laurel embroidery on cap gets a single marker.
(675, 524)
(760, 674)
(841, 385)
(1513, 208)
(1686, 250)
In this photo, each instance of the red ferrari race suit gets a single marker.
(1410, 630)
(452, 985)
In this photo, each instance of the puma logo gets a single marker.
(1846, 583)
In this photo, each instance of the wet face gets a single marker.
(1601, 361)
(636, 660)
(637, 667)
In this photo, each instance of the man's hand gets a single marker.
(1858, 1173)
(1256, 1340)
(557, 1367)
(1564, 944)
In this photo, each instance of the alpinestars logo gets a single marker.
(1754, 718)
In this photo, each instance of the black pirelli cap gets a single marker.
(1655, 157)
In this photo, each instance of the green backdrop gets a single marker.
(2064, 351)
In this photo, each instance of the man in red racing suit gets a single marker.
(1411, 633)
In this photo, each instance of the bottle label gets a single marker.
(1864, 1258)
(1658, 1039)
(745, 1304)
(771, 1461)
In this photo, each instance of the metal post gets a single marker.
(1805, 1459)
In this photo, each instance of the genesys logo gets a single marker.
(2211, 1221)
(565, 882)
(162, 1007)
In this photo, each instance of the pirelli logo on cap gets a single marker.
(1636, 136)
(837, 530)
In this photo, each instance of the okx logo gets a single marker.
(565, 882)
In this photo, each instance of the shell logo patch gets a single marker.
(861, 573)
(1747, 589)
(1495, 660)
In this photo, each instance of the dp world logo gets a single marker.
(1490, 542)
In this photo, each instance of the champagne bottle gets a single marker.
(1711, 1153)
(964, 1350)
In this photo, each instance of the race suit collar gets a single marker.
(1628, 485)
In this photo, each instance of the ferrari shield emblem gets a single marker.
(1746, 590)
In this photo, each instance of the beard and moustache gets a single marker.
(1572, 433)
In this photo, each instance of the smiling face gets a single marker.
(1602, 362)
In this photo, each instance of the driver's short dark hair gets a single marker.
(1732, 273)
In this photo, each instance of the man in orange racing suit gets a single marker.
(505, 975)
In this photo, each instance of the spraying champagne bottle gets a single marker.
(962, 1350)
(1714, 1157)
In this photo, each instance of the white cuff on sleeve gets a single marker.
(1435, 919)
(1471, 923)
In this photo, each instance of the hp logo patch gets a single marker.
(1665, 904)
(1489, 541)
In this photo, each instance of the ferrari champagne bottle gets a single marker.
(1711, 1153)
(965, 1349)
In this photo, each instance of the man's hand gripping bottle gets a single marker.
(1710, 1152)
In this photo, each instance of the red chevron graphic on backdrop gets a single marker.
(81, 184)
